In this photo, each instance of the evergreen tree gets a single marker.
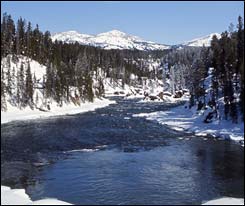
(29, 87)
(49, 83)
(240, 60)
(100, 88)
(20, 37)
(20, 97)
(9, 82)
(7, 35)
(28, 40)
(3, 92)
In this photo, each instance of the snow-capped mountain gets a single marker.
(119, 40)
(109, 40)
(199, 42)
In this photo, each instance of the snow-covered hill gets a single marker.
(42, 107)
(109, 40)
(119, 40)
(199, 42)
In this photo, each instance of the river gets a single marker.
(109, 157)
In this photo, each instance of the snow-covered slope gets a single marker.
(109, 40)
(199, 42)
(40, 107)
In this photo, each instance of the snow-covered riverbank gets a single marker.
(182, 118)
(225, 201)
(13, 113)
(19, 197)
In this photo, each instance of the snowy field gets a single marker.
(14, 113)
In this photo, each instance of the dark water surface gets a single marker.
(109, 157)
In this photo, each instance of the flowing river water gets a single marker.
(109, 157)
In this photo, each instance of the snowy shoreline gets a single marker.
(225, 201)
(14, 113)
(19, 197)
(183, 119)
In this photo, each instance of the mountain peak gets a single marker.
(72, 32)
(199, 42)
(115, 33)
(113, 39)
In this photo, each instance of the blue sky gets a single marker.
(162, 22)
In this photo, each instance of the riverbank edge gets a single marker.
(19, 197)
(225, 201)
(180, 118)
(15, 114)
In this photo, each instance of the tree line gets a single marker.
(188, 68)
(228, 64)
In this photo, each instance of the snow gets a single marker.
(36, 69)
(127, 118)
(14, 113)
(185, 119)
(182, 118)
(199, 42)
(109, 40)
(226, 201)
(82, 150)
(119, 40)
(115, 88)
(19, 197)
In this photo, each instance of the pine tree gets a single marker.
(49, 83)
(29, 87)
(4, 35)
(9, 82)
(172, 80)
(3, 92)
(240, 60)
(101, 89)
(37, 99)
(28, 39)
(88, 90)
(215, 64)
(20, 96)
(7, 35)
(20, 37)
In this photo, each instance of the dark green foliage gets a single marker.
(228, 58)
